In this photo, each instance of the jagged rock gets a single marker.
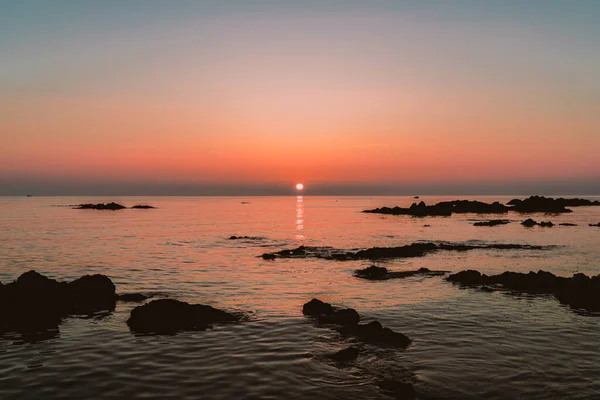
(345, 355)
(539, 204)
(100, 206)
(493, 222)
(170, 316)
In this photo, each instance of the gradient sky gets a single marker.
(182, 97)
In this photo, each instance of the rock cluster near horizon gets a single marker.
(110, 206)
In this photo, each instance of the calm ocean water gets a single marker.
(467, 344)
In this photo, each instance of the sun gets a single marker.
(299, 186)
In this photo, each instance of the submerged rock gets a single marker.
(529, 223)
(376, 253)
(348, 322)
(375, 273)
(579, 291)
(345, 355)
(170, 316)
(100, 206)
(400, 390)
(142, 207)
(493, 222)
(132, 297)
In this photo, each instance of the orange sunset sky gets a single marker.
(332, 93)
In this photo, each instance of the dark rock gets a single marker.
(345, 355)
(375, 333)
(100, 206)
(92, 293)
(567, 224)
(598, 224)
(562, 202)
(579, 291)
(36, 303)
(169, 316)
(426, 226)
(416, 197)
(132, 297)
(142, 207)
(245, 238)
(493, 222)
(346, 317)
(547, 224)
(400, 390)
(316, 307)
(529, 223)
(539, 204)
(377, 253)
(381, 273)
(445, 208)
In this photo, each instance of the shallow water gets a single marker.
(467, 344)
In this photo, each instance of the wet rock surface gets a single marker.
(376, 253)
(579, 291)
(167, 316)
(36, 303)
(375, 273)
(100, 206)
(445, 208)
(493, 222)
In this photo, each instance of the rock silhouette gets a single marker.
(142, 206)
(167, 316)
(418, 249)
(35, 302)
(100, 206)
(348, 319)
(539, 204)
(579, 291)
(345, 355)
(132, 297)
(530, 223)
(567, 224)
(375, 273)
(493, 222)
(445, 208)
(246, 238)
(557, 202)
(598, 224)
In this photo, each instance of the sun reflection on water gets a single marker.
(299, 219)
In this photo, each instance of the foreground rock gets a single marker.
(540, 204)
(378, 253)
(348, 320)
(168, 316)
(400, 390)
(375, 273)
(37, 303)
(100, 206)
(445, 208)
(493, 222)
(345, 355)
(132, 297)
(579, 291)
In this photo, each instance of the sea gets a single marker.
(466, 343)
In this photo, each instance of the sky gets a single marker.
(348, 97)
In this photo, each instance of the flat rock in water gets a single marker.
(167, 316)
(142, 207)
(100, 206)
(375, 273)
(493, 222)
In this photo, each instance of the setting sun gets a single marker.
(299, 186)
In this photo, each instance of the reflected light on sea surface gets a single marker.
(299, 218)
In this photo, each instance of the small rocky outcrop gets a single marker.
(347, 321)
(142, 207)
(345, 355)
(418, 249)
(579, 291)
(445, 209)
(541, 204)
(567, 224)
(245, 238)
(375, 273)
(492, 222)
(576, 202)
(531, 223)
(598, 224)
(167, 316)
(547, 224)
(101, 206)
